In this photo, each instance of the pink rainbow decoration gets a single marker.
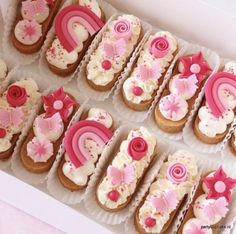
(216, 83)
(75, 14)
(77, 135)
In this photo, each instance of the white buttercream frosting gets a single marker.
(163, 184)
(120, 161)
(147, 59)
(95, 71)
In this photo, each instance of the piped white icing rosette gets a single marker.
(166, 194)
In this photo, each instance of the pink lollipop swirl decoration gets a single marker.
(177, 173)
(70, 15)
(77, 135)
(122, 29)
(159, 47)
(137, 148)
(214, 85)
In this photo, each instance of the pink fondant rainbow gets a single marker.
(77, 135)
(70, 15)
(217, 82)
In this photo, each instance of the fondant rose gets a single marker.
(16, 95)
(137, 148)
(122, 29)
(159, 47)
(177, 173)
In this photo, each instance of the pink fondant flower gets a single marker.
(39, 149)
(30, 30)
(173, 107)
(219, 185)
(16, 95)
(58, 102)
(195, 64)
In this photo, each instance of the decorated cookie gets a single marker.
(109, 59)
(139, 89)
(84, 143)
(218, 109)
(177, 99)
(32, 23)
(75, 27)
(44, 138)
(3, 69)
(210, 203)
(15, 105)
(166, 194)
(126, 170)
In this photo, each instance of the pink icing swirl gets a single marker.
(137, 148)
(122, 29)
(159, 47)
(177, 173)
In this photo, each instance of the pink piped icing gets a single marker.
(77, 135)
(215, 83)
(28, 32)
(119, 176)
(58, 102)
(137, 148)
(16, 95)
(219, 185)
(173, 107)
(70, 15)
(159, 47)
(177, 173)
(40, 149)
(195, 65)
(122, 29)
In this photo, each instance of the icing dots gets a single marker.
(3, 132)
(177, 173)
(113, 195)
(173, 107)
(214, 85)
(106, 64)
(122, 29)
(150, 222)
(16, 95)
(78, 134)
(159, 47)
(196, 65)
(58, 102)
(137, 148)
(137, 91)
(70, 16)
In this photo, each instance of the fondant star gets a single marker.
(195, 65)
(219, 185)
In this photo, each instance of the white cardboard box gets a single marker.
(193, 20)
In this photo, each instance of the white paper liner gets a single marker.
(90, 197)
(16, 165)
(139, 116)
(109, 12)
(191, 139)
(213, 60)
(9, 50)
(15, 75)
(81, 76)
(54, 186)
